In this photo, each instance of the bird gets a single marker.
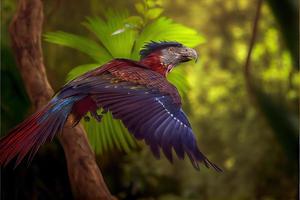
(135, 92)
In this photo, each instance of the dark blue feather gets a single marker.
(154, 46)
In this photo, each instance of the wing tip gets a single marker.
(196, 156)
(209, 164)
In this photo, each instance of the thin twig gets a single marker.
(252, 41)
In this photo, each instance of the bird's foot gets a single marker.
(104, 111)
(96, 116)
(87, 118)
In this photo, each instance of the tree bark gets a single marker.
(25, 30)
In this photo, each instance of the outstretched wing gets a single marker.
(150, 115)
(148, 112)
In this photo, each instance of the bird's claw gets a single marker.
(87, 118)
(96, 116)
(104, 111)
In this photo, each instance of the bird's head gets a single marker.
(164, 56)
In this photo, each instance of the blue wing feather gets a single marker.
(147, 113)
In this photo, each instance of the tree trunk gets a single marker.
(25, 31)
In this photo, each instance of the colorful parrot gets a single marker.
(136, 92)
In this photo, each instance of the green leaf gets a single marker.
(139, 8)
(133, 23)
(119, 31)
(136, 20)
(83, 44)
(177, 77)
(159, 2)
(81, 69)
(118, 45)
(108, 135)
(150, 3)
(153, 13)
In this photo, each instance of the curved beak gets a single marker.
(189, 54)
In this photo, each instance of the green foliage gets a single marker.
(119, 45)
(120, 35)
(80, 43)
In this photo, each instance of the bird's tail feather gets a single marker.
(28, 136)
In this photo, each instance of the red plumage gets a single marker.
(21, 139)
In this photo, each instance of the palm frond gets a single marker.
(80, 43)
(177, 77)
(119, 45)
(108, 135)
(81, 69)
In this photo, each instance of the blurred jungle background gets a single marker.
(245, 116)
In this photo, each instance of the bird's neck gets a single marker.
(153, 62)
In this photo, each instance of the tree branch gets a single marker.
(25, 30)
(252, 41)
